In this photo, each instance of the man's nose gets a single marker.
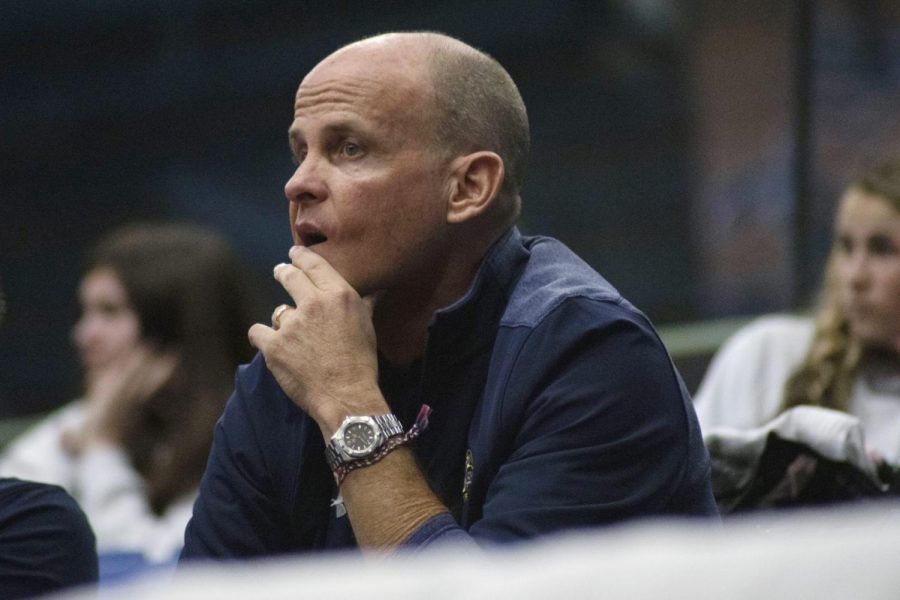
(307, 184)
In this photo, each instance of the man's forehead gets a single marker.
(350, 100)
(385, 57)
(337, 90)
(360, 90)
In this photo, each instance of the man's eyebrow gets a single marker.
(342, 127)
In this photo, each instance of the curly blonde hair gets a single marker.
(826, 375)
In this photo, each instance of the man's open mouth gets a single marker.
(310, 235)
(311, 239)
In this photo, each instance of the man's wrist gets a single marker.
(390, 444)
(330, 415)
(384, 433)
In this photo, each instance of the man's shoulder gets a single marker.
(552, 275)
(43, 527)
(13, 490)
(23, 502)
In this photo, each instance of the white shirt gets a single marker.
(105, 485)
(744, 385)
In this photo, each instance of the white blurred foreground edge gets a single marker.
(851, 552)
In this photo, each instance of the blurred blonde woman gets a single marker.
(847, 357)
(164, 314)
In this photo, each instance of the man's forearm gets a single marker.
(389, 500)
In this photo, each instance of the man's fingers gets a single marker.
(278, 313)
(261, 337)
(295, 281)
(322, 274)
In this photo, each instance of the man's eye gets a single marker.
(298, 157)
(351, 150)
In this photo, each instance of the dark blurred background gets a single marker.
(692, 150)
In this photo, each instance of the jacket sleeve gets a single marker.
(594, 427)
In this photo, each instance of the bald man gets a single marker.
(439, 377)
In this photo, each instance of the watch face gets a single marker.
(359, 438)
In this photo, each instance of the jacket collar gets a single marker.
(467, 326)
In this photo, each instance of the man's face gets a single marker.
(867, 240)
(368, 191)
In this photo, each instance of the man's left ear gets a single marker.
(475, 183)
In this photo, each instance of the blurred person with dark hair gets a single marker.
(165, 310)
(46, 543)
(846, 357)
(440, 377)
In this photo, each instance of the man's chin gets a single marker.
(365, 288)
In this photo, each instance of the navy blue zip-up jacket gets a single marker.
(46, 542)
(555, 406)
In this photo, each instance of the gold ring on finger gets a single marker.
(276, 315)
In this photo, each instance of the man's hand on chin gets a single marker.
(322, 352)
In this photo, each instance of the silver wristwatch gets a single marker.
(360, 437)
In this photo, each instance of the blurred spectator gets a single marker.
(845, 360)
(46, 544)
(165, 313)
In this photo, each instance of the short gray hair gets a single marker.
(478, 107)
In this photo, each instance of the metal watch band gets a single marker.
(390, 425)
